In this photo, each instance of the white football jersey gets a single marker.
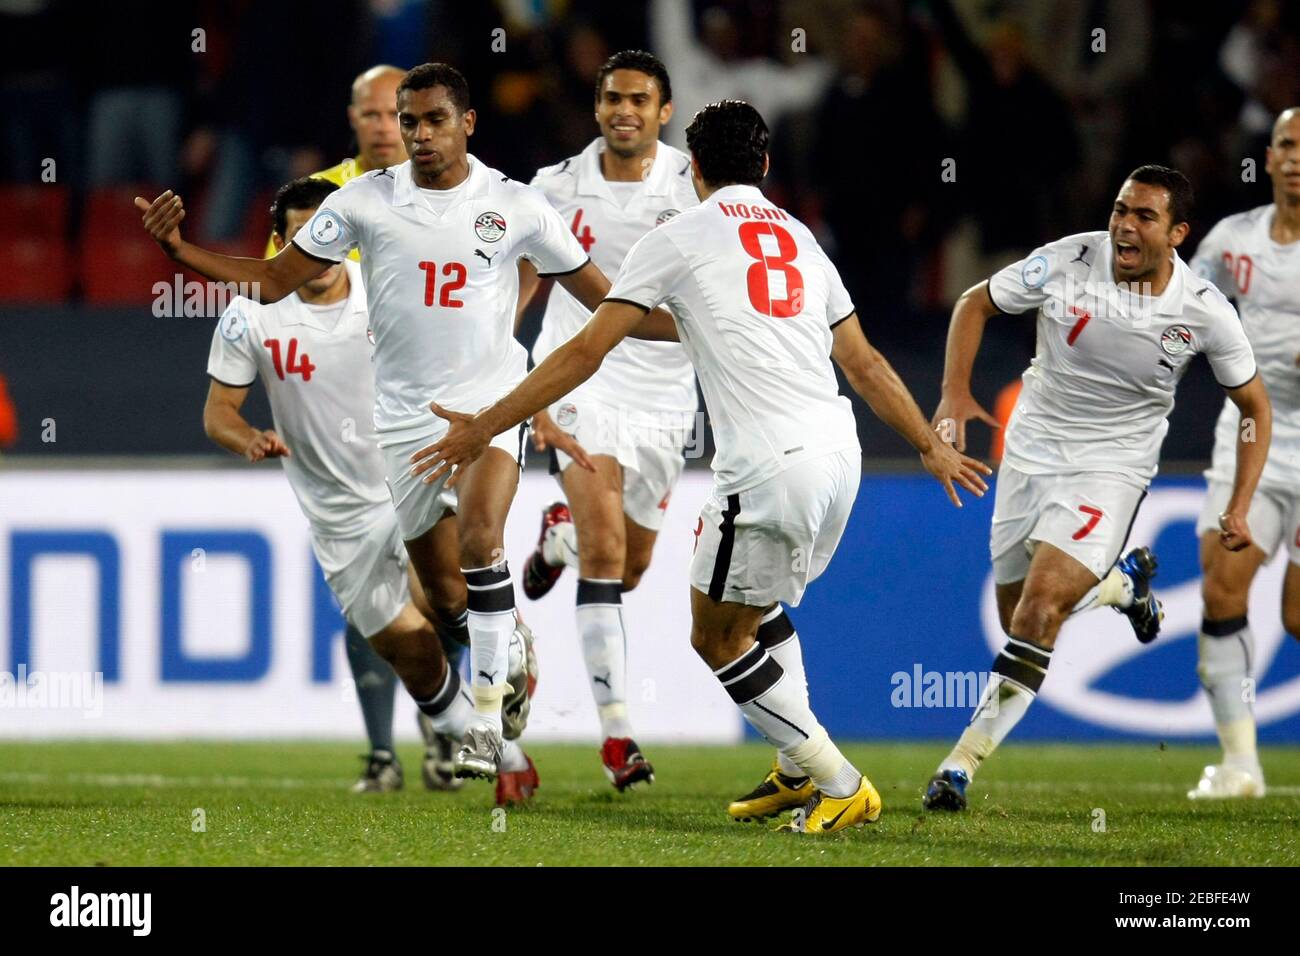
(755, 299)
(648, 376)
(314, 362)
(1098, 393)
(443, 285)
(1263, 276)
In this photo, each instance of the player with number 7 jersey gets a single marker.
(1120, 318)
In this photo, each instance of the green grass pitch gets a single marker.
(286, 803)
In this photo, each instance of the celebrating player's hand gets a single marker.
(949, 465)
(266, 444)
(959, 409)
(547, 434)
(162, 220)
(1234, 534)
(464, 443)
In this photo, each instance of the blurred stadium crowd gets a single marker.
(1033, 108)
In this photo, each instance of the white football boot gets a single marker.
(1221, 781)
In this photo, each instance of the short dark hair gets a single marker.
(728, 140)
(642, 62)
(1181, 197)
(305, 193)
(428, 75)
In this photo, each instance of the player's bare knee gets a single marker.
(1037, 618)
(1221, 602)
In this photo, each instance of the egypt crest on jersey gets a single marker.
(429, 263)
(1101, 385)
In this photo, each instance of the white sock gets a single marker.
(1114, 590)
(778, 709)
(560, 545)
(512, 757)
(491, 622)
(777, 634)
(450, 709)
(1017, 675)
(604, 651)
(1226, 651)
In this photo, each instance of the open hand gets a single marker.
(162, 220)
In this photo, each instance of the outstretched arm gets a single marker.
(872, 377)
(268, 280)
(1252, 451)
(223, 423)
(956, 404)
(564, 370)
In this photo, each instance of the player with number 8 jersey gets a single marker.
(761, 312)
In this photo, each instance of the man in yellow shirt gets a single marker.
(372, 114)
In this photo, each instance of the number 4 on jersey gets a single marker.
(295, 365)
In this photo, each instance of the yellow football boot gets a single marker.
(826, 814)
(777, 792)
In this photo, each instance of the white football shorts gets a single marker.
(1273, 518)
(768, 543)
(648, 446)
(367, 574)
(1088, 515)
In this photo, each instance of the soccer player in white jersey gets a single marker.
(1120, 317)
(633, 418)
(439, 237)
(311, 351)
(761, 311)
(1254, 257)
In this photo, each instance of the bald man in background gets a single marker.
(372, 114)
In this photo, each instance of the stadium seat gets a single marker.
(118, 262)
(35, 211)
(37, 270)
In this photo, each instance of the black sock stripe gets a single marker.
(792, 726)
(1031, 678)
(757, 682)
(722, 563)
(1224, 628)
(1039, 656)
(599, 592)
(741, 664)
(443, 699)
(776, 632)
(490, 602)
(486, 577)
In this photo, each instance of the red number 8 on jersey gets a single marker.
(757, 279)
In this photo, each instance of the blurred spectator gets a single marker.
(1018, 146)
(878, 188)
(137, 63)
(710, 67)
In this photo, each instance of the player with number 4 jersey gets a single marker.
(633, 418)
(1254, 257)
(1120, 318)
(761, 312)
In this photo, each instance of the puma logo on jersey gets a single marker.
(1083, 251)
(487, 677)
(483, 255)
(601, 680)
